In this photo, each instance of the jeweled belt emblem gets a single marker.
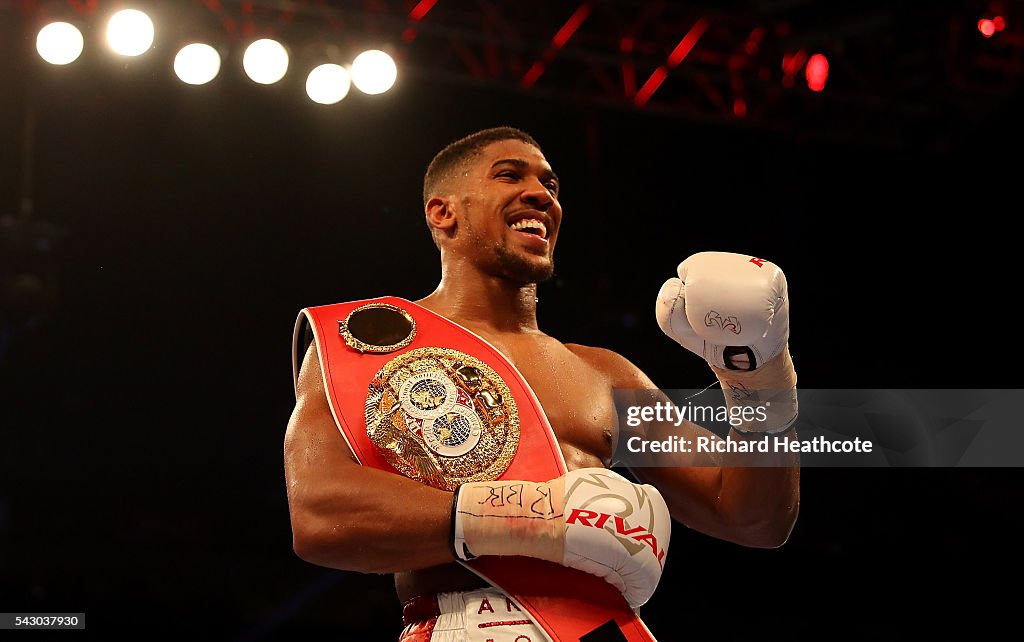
(442, 417)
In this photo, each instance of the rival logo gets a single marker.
(732, 324)
(758, 262)
(583, 517)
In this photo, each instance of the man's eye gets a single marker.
(552, 186)
(508, 174)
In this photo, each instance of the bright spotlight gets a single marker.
(817, 72)
(328, 84)
(130, 32)
(59, 43)
(373, 72)
(197, 64)
(265, 61)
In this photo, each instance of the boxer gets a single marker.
(491, 205)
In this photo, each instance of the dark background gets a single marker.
(145, 376)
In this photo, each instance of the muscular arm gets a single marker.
(348, 516)
(751, 506)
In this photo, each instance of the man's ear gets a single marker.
(440, 215)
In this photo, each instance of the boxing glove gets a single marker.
(591, 519)
(733, 311)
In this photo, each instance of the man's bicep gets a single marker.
(313, 443)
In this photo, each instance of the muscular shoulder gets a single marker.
(620, 371)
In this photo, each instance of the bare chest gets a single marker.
(575, 396)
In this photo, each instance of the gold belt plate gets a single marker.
(442, 417)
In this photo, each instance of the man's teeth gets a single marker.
(531, 223)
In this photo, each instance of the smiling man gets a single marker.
(453, 443)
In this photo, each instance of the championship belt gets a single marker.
(418, 395)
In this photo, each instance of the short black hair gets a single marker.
(451, 158)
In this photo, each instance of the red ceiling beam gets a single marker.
(677, 56)
(557, 42)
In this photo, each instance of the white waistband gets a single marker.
(483, 615)
(456, 602)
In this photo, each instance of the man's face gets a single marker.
(507, 199)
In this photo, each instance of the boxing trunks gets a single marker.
(418, 395)
(486, 615)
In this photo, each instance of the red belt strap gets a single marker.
(568, 604)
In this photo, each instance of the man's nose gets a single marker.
(537, 195)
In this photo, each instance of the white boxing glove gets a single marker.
(591, 519)
(733, 311)
(724, 305)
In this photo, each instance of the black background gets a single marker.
(142, 415)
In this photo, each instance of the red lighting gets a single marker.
(986, 27)
(651, 86)
(999, 23)
(753, 40)
(817, 72)
(791, 62)
(532, 74)
(687, 43)
(421, 9)
(570, 26)
(557, 42)
(82, 6)
(739, 108)
(680, 52)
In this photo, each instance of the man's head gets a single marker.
(491, 199)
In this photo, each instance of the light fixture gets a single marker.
(265, 61)
(327, 84)
(59, 43)
(197, 63)
(373, 72)
(130, 32)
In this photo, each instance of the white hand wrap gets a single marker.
(591, 519)
(733, 311)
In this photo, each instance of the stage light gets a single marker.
(817, 72)
(197, 63)
(328, 84)
(373, 72)
(739, 107)
(130, 32)
(265, 61)
(999, 23)
(986, 27)
(59, 43)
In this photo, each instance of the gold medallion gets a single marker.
(377, 327)
(442, 417)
